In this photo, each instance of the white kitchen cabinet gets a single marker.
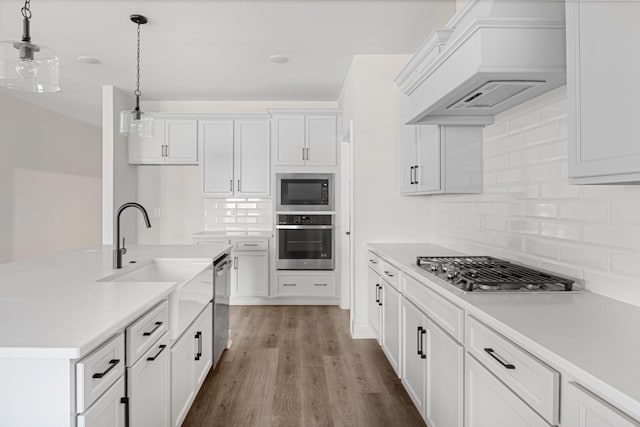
(489, 403)
(250, 274)
(108, 411)
(391, 325)
(375, 306)
(191, 358)
(317, 285)
(602, 91)
(174, 141)
(581, 408)
(432, 369)
(441, 159)
(149, 387)
(235, 157)
(305, 139)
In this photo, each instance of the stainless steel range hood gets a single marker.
(493, 55)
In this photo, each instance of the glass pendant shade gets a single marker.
(28, 67)
(136, 123)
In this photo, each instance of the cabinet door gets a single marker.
(149, 385)
(288, 140)
(322, 140)
(603, 89)
(252, 157)
(445, 363)
(108, 411)
(583, 409)
(204, 345)
(249, 276)
(391, 325)
(182, 376)
(429, 159)
(489, 403)
(408, 159)
(374, 302)
(181, 141)
(148, 150)
(216, 138)
(413, 354)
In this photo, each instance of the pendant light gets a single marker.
(135, 122)
(26, 66)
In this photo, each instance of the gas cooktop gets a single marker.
(488, 274)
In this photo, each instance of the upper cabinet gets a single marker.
(440, 159)
(235, 157)
(301, 139)
(174, 141)
(602, 90)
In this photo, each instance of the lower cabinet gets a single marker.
(149, 387)
(313, 286)
(375, 306)
(490, 403)
(432, 368)
(391, 324)
(191, 359)
(108, 411)
(584, 409)
(250, 274)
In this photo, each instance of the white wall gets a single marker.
(370, 98)
(529, 213)
(172, 194)
(119, 179)
(50, 184)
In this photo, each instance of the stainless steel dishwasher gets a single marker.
(222, 290)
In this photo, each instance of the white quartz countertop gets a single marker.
(593, 338)
(53, 306)
(233, 234)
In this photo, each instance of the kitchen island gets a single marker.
(55, 310)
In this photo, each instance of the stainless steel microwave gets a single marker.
(304, 192)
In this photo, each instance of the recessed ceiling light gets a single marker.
(278, 59)
(88, 60)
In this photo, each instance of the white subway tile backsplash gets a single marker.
(238, 215)
(529, 213)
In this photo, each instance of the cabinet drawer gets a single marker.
(98, 371)
(108, 410)
(145, 331)
(307, 285)
(447, 315)
(251, 245)
(390, 274)
(531, 379)
(374, 261)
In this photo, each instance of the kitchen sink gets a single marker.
(159, 270)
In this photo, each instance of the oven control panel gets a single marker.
(304, 220)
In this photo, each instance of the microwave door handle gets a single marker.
(305, 227)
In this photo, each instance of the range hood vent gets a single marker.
(492, 94)
(493, 55)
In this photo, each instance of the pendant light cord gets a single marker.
(26, 9)
(137, 93)
(26, 30)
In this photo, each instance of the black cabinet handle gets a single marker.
(158, 324)
(154, 357)
(373, 261)
(423, 333)
(125, 402)
(380, 296)
(415, 174)
(411, 175)
(492, 352)
(388, 273)
(199, 338)
(112, 364)
(377, 294)
(419, 342)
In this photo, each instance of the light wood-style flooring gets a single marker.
(298, 366)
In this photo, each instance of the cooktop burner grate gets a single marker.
(488, 273)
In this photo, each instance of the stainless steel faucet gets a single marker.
(118, 252)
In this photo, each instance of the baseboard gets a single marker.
(362, 331)
(284, 301)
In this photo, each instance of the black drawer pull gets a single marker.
(319, 284)
(423, 355)
(373, 261)
(491, 353)
(199, 338)
(419, 345)
(377, 294)
(288, 284)
(380, 296)
(112, 364)
(388, 274)
(158, 324)
(152, 358)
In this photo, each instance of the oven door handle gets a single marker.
(305, 227)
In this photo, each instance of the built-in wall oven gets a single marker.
(305, 242)
(304, 192)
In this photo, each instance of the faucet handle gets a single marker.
(123, 250)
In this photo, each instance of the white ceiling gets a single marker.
(217, 49)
